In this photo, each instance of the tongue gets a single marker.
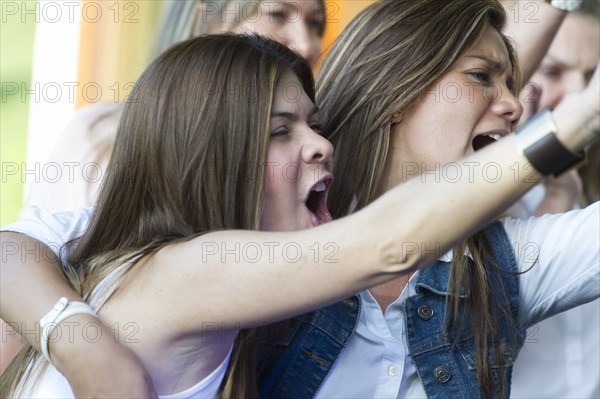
(316, 204)
(481, 141)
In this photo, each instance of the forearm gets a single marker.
(408, 227)
(9, 345)
(30, 282)
(532, 25)
(244, 278)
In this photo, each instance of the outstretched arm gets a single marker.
(392, 236)
(370, 243)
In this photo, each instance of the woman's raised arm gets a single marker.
(409, 227)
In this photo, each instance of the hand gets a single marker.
(575, 112)
(100, 368)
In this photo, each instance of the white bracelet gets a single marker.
(62, 310)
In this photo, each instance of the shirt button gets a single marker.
(393, 370)
(425, 312)
(441, 374)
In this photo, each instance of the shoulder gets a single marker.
(51, 229)
(94, 120)
(542, 228)
(94, 113)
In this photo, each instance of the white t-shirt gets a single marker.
(54, 231)
(54, 385)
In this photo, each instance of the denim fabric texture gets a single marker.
(296, 366)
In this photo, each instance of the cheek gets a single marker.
(279, 163)
(281, 175)
(274, 196)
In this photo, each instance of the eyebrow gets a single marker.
(559, 62)
(495, 65)
(292, 116)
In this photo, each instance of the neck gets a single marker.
(385, 294)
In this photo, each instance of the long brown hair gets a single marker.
(383, 61)
(188, 159)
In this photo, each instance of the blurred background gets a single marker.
(57, 56)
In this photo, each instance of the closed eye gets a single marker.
(317, 26)
(277, 16)
(279, 132)
(317, 127)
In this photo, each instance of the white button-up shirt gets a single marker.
(559, 279)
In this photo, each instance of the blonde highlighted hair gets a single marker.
(387, 57)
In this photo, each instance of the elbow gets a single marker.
(401, 257)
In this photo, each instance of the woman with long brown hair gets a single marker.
(89, 138)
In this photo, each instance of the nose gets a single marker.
(508, 107)
(317, 149)
(300, 39)
(570, 82)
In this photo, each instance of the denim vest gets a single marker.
(296, 366)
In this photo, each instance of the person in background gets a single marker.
(89, 137)
(561, 355)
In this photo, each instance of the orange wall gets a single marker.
(116, 39)
(339, 14)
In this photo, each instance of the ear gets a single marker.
(396, 118)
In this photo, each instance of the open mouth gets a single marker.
(316, 203)
(485, 139)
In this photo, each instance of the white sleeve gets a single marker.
(54, 230)
(560, 258)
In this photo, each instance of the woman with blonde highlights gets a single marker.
(409, 87)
